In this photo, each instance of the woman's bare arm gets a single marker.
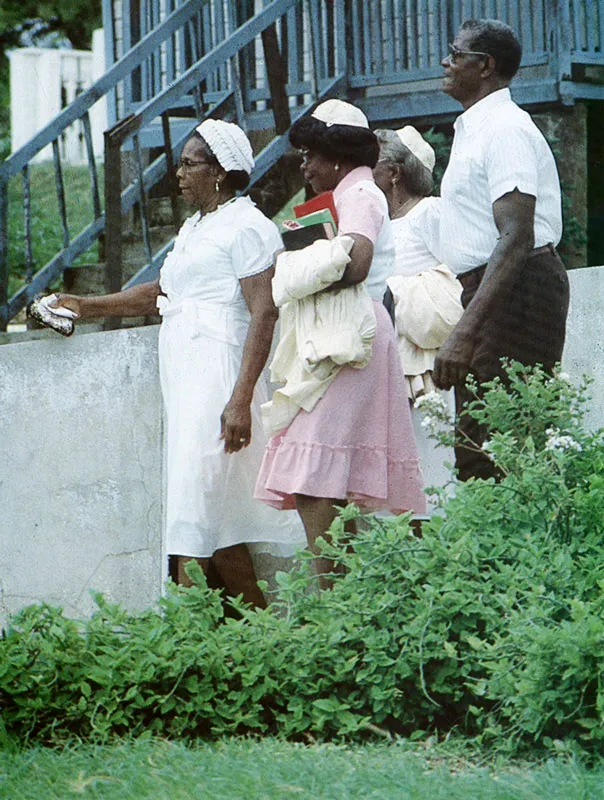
(357, 269)
(138, 301)
(236, 420)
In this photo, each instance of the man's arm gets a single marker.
(514, 215)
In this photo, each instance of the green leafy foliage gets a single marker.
(491, 623)
(74, 19)
(46, 229)
(442, 149)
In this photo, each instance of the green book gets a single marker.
(304, 230)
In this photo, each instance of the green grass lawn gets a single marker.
(46, 229)
(273, 770)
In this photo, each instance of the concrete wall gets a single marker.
(81, 471)
(81, 466)
(584, 348)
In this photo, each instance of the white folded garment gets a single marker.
(60, 311)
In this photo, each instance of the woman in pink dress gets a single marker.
(357, 443)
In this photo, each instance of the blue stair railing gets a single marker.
(263, 70)
(270, 32)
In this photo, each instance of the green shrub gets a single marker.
(490, 623)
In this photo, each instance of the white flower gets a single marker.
(561, 442)
(432, 402)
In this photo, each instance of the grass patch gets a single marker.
(46, 228)
(273, 770)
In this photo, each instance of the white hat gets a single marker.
(414, 141)
(337, 112)
(228, 143)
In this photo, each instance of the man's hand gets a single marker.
(454, 360)
(236, 426)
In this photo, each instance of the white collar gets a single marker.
(477, 113)
(199, 217)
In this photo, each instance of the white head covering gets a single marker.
(337, 112)
(414, 141)
(228, 143)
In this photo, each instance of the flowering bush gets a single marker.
(491, 622)
(537, 441)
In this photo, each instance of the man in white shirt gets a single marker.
(500, 222)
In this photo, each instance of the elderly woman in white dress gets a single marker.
(426, 293)
(214, 295)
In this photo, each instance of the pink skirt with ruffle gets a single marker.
(356, 444)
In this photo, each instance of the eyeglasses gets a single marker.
(455, 52)
(186, 164)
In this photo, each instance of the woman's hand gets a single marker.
(236, 425)
(138, 301)
(71, 301)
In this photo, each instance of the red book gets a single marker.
(323, 200)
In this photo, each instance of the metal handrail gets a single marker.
(128, 130)
(354, 45)
(50, 135)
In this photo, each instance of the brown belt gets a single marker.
(539, 251)
(471, 275)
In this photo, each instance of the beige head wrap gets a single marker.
(228, 143)
(337, 112)
(414, 141)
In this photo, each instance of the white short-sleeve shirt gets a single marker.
(212, 253)
(416, 238)
(496, 148)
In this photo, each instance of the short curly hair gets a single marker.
(346, 143)
(416, 177)
(498, 40)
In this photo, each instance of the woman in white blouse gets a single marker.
(214, 295)
(426, 293)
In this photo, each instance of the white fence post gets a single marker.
(45, 80)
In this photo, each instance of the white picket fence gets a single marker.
(45, 80)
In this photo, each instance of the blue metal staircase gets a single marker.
(263, 63)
